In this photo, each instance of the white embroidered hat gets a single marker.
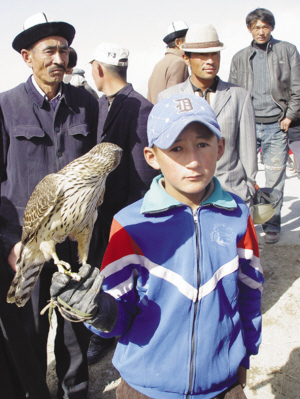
(202, 39)
(38, 27)
(175, 30)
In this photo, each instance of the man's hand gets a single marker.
(14, 255)
(285, 124)
(83, 300)
(242, 376)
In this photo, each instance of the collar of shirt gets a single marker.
(113, 96)
(54, 100)
(212, 88)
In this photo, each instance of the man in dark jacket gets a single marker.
(270, 70)
(123, 116)
(45, 124)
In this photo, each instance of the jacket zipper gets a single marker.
(250, 61)
(196, 303)
(267, 53)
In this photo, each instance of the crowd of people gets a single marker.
(174, 237)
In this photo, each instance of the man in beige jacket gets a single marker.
(172, 69)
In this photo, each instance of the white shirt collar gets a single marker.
(56, 98)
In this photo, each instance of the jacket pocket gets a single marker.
(79, 129)
(28, 132)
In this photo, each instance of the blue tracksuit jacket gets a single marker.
(188, 286)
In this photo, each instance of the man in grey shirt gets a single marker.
(270, 70)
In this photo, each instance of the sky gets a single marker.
(139, 26)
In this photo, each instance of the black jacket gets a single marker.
(124, 124)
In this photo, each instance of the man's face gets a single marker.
(204, 66)
(261, 31)
(189, 164)
(48, 59)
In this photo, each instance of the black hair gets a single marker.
(172, 44)
(72, 58)
(260, 14)
(117, 71)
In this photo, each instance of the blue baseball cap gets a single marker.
(170, 116)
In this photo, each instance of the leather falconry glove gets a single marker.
(83, 300)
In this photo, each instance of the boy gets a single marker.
(182, 274)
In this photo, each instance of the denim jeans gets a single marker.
(274, 145)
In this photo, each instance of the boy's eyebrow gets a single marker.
(199, 136)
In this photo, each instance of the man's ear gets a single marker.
(26, 54)
(150, 157)
(100, 70)
(178, 42)
(186, 59)
(221, 148)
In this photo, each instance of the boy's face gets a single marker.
(189, 164)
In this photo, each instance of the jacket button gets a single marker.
(59, 154)
(57, 129)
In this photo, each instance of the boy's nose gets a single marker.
(193, 163)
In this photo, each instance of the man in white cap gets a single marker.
(44, 125)
(123, 116)
(172, 69)
(232, 106)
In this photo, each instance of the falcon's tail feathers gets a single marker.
(23, 282)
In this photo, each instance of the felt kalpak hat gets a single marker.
(175, 30)
(38, 27)
(202, 39)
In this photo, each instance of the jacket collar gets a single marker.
(116, 105)
(223, 96)
(158, 200)
(38, 99)
(174, 51)
(269, 46)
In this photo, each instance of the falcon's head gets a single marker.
(104, 157)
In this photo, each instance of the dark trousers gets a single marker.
(71, 341)
(124, 391)
(20, 373)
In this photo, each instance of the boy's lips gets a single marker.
(194, 177)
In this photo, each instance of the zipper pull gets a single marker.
(195, 215)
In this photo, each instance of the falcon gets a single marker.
(63, 204)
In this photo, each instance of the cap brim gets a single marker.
(165, 141)
(37, 32)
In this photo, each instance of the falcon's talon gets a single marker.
(67, 271)
(62, 264)
(75, 276)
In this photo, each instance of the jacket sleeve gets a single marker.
(177, 73)
(120, 268)
(293, 109)
(9, 234)
(93, 117)
(4, 142)
(247, 140)
(233, 72)
(250, 290)
(140, 174)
